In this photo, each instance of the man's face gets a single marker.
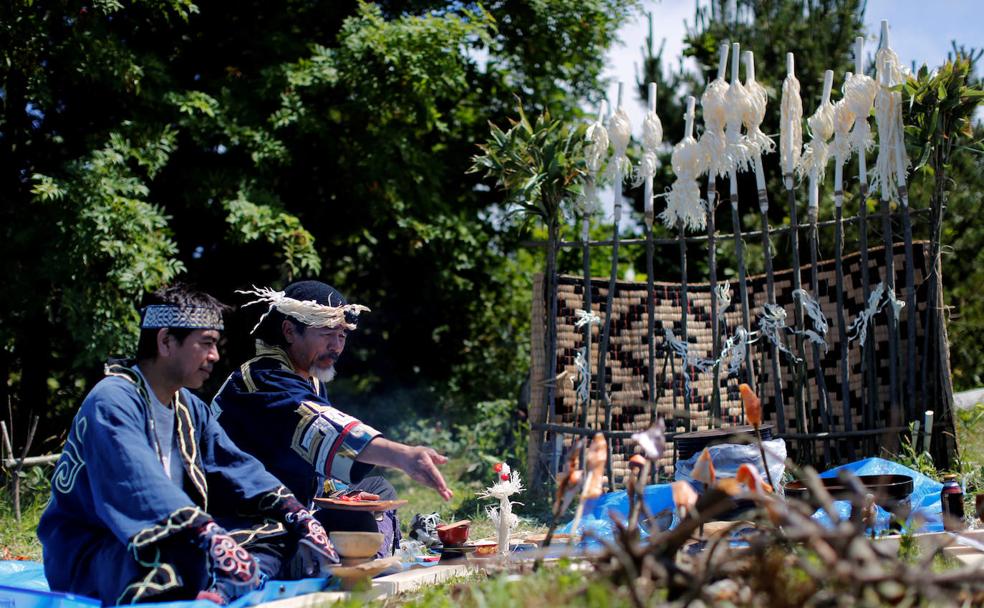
(317, 349)
(192, 359)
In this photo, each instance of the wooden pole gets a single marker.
(716, 416)
(606, 332)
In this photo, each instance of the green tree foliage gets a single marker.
(230, 143)
(947, 149)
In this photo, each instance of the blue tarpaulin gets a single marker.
(22, 585)
(924, 501)
(926, 513)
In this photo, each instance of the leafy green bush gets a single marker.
(495, 434)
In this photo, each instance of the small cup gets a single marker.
(454, 534)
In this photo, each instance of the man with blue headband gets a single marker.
(151, 501)
(276, 407)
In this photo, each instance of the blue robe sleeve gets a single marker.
(131, 494)
(270, 412)
(325, 437)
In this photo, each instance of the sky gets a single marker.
(920, 31)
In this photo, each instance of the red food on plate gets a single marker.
(358, 497)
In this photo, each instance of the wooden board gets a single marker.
(363, 505)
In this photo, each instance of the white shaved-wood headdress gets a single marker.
(308, 312)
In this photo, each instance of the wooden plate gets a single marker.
(363, 505)
(350, 576)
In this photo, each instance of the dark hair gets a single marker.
(178, 294)
(271, 328)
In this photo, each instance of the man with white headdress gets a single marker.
(275, 406)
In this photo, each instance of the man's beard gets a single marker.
(323, 374)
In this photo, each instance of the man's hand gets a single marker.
(421, 465)
(419, 462)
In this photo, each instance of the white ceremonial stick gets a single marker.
(788, 169)
(733, 174)
(828, 84)
(839, 166)
(647, 196)
(688, 117)
(618, 171)
(900, 171)
(862, 165)
(759, 171)
(723, 60)
(928, 430)
(585, 219)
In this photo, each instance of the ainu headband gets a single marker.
(163, 316)
(307, 312)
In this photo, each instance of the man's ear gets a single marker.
(288, 330)
(164, 342)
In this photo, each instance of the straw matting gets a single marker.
(627, 361)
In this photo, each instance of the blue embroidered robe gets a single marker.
(112, 503)
(290, 425)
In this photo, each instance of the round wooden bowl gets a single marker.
(454, 534)
(355, 547)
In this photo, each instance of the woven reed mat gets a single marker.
(627, 361)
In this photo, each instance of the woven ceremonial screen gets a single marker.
(627, 361)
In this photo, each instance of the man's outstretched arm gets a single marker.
(419, 462)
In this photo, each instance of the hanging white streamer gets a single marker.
(620, 133)
(877, 300)
(683, 202)
(816, 153)
(583, 376)
(736, 349)
(595, 153)
(581, 363)
(584, 317)
(737, 152)
(713, 142)
(723, 298)
(754, 114)
(791, 124)
(652, 137)
(817, 335)
(859, 96)
(888, 117)
(843, 121)
(772, 324)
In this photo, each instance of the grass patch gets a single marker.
(970, 434)
(555, 584)
(19, 539)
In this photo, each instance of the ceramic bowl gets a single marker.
(454, 534)
(356, 545)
